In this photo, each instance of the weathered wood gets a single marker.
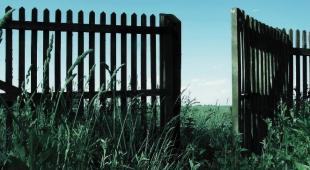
(153, 69)
(304, 65)
(81, 63)
(124, 68)
(34, 45)
(172, 72)
(91, 56)
(77, 27)
(69, 52)
(113, 50)
(8, 79)
(46, 19)
(102, 61)
(57, 53)
(143, 75)
(291, 73)
(297, 43)
(133, 64)
(235, 14)
(21, 64)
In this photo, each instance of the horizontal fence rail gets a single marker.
(148, 57)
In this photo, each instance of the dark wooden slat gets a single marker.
(153, 67)
(301, 51)
(143, 74)
(134, 54)
(297, 70)
(124, 68)
(8, 79)
(34, 35)
(113, 50)
(304, 65)
(133, 64)
(69, 86)
(46, 19)
(21, 64)
(291, 73)
(102, 60)
(92, 55)
(57, 53)
(172, 73)
(69, 51)
(247, 87)
(77, 27)
(81, 64)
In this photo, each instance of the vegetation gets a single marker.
(47, 135)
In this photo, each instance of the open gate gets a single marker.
(267, 68)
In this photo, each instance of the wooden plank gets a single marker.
(46, 19)
(134, 54)
(34, 35)
(113, 50)
(69, 52)
(143, 74)
(235, 13)
(172, 73)
(124, 68)
(153, 68)
(301, 51)
(21, 64)
(102, 61)
(57, 53)
(291, 73)
(69, 86)
(77, 27)
(133, 64)
(91, 56)
(81, 63)
(297, 43)
(304, 65)
(8, 79)
(247, 87)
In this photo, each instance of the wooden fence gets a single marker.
(265, 70)
(168, 59)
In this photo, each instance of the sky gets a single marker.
(206, 32)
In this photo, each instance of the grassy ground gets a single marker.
(45, 137)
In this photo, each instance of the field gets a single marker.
(47, 135)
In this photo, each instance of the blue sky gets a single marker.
(206, 32)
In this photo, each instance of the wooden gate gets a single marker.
(266, 69)
(159, 48)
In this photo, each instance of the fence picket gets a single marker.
(57, 52)
(103, 61)
(124, 68)
(91, 56)
(34, 35)
(143, 75)
(297, 70)
(8, 78)
(21, 38)
(69, 52)
(81, 64)
(304, 65)
(46, 19)
(153, 69)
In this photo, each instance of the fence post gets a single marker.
(235, 69)
(170, 72)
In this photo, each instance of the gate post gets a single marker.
(235, 13)
(170, 73)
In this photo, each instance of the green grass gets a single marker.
(45, 137)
